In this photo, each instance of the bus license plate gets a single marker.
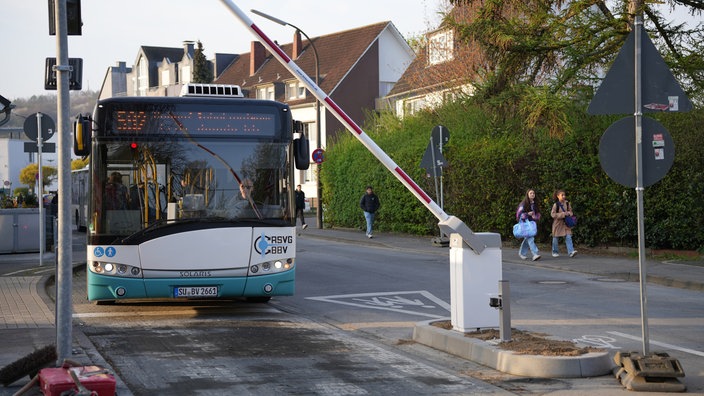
(196, 291)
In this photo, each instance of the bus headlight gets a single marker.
(112, 269)
(269, 267)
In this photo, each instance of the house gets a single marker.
(443, 69)
(157, 71)
(356, 68)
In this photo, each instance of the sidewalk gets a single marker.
(684, 274)
(27, 311)
(27, 319)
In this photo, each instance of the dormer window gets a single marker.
(295, 90)
(266, 92)
(440, 47)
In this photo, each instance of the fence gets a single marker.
(19, 230)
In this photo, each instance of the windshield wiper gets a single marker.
(156, 225)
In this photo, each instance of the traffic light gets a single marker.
(73, 17)
(82, 129)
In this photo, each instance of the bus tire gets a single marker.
(258, 300)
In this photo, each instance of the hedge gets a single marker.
(493, 160)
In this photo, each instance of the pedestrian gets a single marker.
(300, 205)
(529, 210)
(560, 209)
(369, 204)
(116, 195)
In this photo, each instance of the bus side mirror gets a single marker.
(301, 152)
(82, 129)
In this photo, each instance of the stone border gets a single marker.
(592, 364)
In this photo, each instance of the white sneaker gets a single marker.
(304, 226)
(556, 255)
(573, 253)
(370, 236)
(536, 257)
(522, 256)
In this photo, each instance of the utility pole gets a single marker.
(63, 271)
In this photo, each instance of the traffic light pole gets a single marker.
(64, 253)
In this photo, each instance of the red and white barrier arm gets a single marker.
(447, 223)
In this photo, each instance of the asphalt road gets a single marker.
(348, 329)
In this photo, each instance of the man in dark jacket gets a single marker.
(300, 205)
(369, 204)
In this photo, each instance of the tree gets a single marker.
(79, 163)
(202, 73)
(563, 41)
(539, 53)
(28, 175)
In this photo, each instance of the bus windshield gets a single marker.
(175, 165)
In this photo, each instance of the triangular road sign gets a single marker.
(660, 91)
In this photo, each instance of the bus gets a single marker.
(191, 196)
(79, 197)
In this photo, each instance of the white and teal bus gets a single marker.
(191, 196)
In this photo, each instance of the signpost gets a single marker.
(39, 127)
(638, 82)
(433, 161)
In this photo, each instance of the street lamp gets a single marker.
(319, 206)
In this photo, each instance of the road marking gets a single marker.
(662, 344)
(30, 271)
(367, 325)
(181, 311)
(699, 322)
(598, 341)
(400, 301)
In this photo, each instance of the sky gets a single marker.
(114, 31)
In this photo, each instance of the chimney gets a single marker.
(188, 48)
(256, 57)
(297, 45)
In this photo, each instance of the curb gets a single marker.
(594, 364)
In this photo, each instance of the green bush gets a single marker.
(494, 159)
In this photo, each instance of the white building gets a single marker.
(13, 158)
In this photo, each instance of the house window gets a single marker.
(142, 76)
(185, 75)
(166, 78)
(267, 92)
(412, 106)
(295, 90)
(440, 47)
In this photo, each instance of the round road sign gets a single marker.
(440, 135)
(318, 155)
(617, 151)
(31, 129)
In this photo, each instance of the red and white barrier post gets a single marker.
(448, 224)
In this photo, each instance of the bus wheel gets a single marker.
(105, 302)
(258, 300)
